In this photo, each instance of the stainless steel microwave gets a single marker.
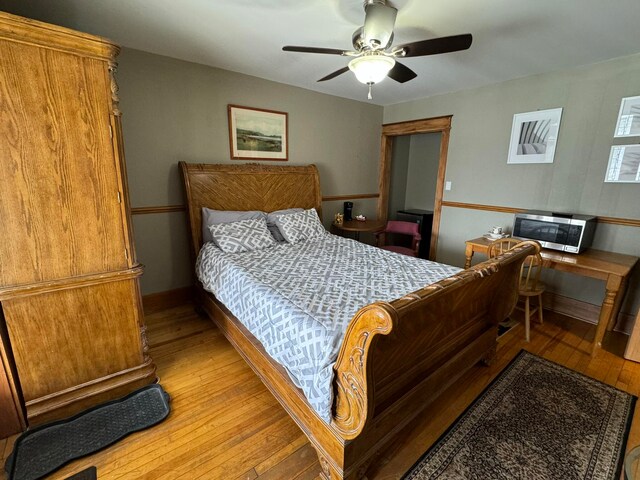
(557, 231)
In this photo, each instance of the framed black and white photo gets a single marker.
(628, 124)
(534, 136)
(257, 134)
(624, 164)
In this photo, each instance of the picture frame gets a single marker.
(628, 123)
(624, 164)
(534, 136)
(258, 134)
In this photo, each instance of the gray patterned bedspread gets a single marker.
(297, 300)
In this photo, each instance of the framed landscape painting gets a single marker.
(257, 134)
(534, 136)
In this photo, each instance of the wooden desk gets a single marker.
(357, 226)
(612, 268)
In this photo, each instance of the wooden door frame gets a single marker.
(425, 125)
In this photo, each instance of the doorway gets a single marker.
(394, 135)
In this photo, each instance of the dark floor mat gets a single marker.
(42, 450)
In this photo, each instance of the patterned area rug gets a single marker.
(537, 420)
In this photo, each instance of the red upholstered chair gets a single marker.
(396, 227)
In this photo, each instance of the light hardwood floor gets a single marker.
(226, 425)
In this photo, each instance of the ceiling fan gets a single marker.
(374, 58)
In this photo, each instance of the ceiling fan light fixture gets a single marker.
(371, 69)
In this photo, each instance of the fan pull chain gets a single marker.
(369, 96)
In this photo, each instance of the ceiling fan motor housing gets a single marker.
(360, 44)
(379, 21)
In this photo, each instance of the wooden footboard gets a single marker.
(397, 357)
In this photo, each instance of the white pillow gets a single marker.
(243, 236)
(214, 217)
(301, 226)
(271, 221)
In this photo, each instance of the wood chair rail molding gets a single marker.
(629, 222)
(425, 125)
(181, 208)
(159, 209)
(360, 196)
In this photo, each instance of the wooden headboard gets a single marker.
(247, 187)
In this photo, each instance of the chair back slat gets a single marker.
(530, 272)
(498, 247)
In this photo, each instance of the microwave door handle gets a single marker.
(546, 219)
(552, 245)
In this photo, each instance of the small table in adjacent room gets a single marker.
(612, 268)
(358, 226)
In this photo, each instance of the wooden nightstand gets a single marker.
(357, 227)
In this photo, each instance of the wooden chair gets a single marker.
(397, 227)
(530, 285)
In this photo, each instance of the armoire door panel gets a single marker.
(69, 293)
(70, 337)
(59, 201)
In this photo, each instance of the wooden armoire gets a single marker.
(71, 324)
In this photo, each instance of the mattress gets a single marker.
(297, 300)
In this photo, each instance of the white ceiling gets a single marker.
(511, 38)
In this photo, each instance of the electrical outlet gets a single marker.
(447, 186)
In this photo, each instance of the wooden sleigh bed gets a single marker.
(396, 357)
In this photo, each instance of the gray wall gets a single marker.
(414, 171)
(590, 97)
(175, 110)
(424, 159)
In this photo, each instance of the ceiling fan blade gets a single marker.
(435, 46)
(334, 74)
(401, 73)
(378, 25)
(328, 51)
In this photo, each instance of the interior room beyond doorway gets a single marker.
(413, 180)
